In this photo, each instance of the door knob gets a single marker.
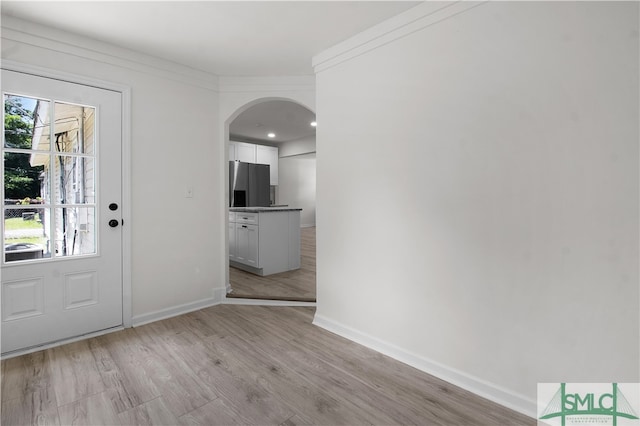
(113, 223)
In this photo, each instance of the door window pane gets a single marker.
(74, 128)
(26, 180)
(74, 180)
(26, 123)
(75, 231)
(49, 168)
(26, 233)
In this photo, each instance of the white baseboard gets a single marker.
(173, 311)
(219, 293)
(307, 225)
(480, 387)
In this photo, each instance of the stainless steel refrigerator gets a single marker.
(248, 184)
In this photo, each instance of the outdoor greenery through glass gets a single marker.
(41, 188)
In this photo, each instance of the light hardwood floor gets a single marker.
(298, 285)
(231, 364)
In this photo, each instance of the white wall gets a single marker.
(478, 196)
(176, 253)
(297, 177)
(297, 185)
(304, 145)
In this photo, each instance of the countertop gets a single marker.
(263, 209)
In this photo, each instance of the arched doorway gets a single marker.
(284, 131)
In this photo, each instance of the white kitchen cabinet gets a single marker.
(243, 238)
(268, 155)
(247, 218)
(265, 241)
(247, 244)
(245, 152)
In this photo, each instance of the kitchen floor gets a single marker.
(298, 285)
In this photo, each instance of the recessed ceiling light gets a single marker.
(271, 135)
(314, 124)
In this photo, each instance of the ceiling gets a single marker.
(288, 120)
(220, 37)
(228, 38)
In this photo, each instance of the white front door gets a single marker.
(62, 252)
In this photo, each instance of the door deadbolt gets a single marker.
(113, 207)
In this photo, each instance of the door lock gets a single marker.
(113, 223)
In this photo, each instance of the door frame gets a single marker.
(125, 91)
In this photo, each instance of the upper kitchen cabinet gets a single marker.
(268, 155)
(245, 152)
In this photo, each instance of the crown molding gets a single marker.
(53, 39)
(424, 15)
(235, 84)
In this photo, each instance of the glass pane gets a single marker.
(26, 123)
(25, 179)
(75, 231)
(26, 233)
(74, 180)
(74, 128)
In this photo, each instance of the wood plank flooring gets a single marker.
(298, 285)
(231, 364)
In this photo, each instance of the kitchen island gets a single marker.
(264, 240)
